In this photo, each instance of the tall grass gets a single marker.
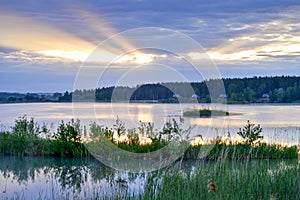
(243, 152)
(231, 180)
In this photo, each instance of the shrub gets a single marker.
(251, 133)
(68, 140)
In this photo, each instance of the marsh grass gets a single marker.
(28, 138)
(232, 180)
(243, 152)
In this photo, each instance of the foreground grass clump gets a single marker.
(260, 179)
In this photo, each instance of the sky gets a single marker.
(47, 46)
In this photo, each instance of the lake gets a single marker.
(280, 122)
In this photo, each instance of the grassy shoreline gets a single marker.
(28, 138)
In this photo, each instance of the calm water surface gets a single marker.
(53, 178)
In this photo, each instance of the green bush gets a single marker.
(68, 140)
(251, 133)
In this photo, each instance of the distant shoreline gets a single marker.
(278, 89)
(57, 102)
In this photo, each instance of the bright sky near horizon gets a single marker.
(44, 43)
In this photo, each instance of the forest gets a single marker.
(283, 89)
(278, 89)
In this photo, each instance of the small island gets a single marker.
(204, 113)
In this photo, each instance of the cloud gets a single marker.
(27, 57)
(55, 37)
(139, 58)
(267, 39)
(24, 33)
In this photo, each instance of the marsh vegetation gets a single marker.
(28, 138)
(249, 168)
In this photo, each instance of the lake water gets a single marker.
(54, 178)
(280, 122)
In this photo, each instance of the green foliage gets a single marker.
(221, 151)
(138, 139)
(239, 90)
(69, 131)
(251, 133)
(261, 179)
(173, 131)
(23, 138)
(25, 128)
(96, 130)
(28, 138)
(68, 140)
(119, 127)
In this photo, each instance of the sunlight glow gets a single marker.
(103, 30)
(72, 55)
(23, 33)
(45, 40)
(138, 58)
(121, 139)
(198, 141)
(144, 140)
(197, 55)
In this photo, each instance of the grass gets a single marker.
(231, 180)
(28, 138)
(242, 152)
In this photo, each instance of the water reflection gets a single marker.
(34, 178)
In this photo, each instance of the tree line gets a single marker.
(278, 89)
